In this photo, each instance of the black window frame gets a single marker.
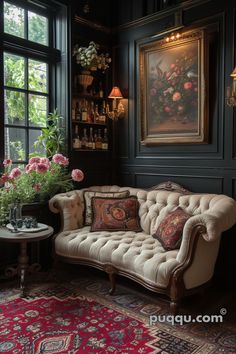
(50, 54)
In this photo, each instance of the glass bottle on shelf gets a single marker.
(76, 132)
(77, 112)
(107, 110)
(91, 144)
(84, 140)
(76, 139)
(95, 138)
(102, 115)
(105, 140)
(100, 92)
(91, 114)
(98, 142)
(96, 115)
(85, 111)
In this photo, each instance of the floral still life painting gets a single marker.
(172, 91)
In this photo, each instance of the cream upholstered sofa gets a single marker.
(139, 256)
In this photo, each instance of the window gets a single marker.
(25, 24)
(30, 65)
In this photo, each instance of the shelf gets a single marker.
(91, 150)
(88, 97)
(88, 123)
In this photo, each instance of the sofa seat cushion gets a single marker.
(138, 254)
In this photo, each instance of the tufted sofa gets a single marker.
(139, 256)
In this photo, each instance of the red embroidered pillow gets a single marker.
(170, 230)
(115, 214)
(88, 200)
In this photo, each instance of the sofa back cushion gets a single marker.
(154, 205)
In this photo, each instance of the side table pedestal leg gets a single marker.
(23, 260)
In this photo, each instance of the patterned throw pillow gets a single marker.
(170, 230)
(115, 214)
(88, 195)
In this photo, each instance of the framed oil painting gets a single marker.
(173, 90)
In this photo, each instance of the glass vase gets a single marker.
(15, 216)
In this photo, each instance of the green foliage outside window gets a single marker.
(14, 20)
(17, 150)
(14, 68)
(14, 23)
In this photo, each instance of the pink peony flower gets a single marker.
(42, 168)
(45, 160)
(37, 187)
(15, 172)
(31, 167)
(4, 179)
(35, 159)
(27, 168)
(60, 160)
(7, 162)
(77, 175)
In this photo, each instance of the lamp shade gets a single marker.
(233, 74)
(115, 93)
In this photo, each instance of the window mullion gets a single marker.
(17, 89)
(26, 24)
(27, 106)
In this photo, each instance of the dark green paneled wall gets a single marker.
(199, 167)
(204, 168)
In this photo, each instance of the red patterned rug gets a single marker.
(77, 315)
(71, 325)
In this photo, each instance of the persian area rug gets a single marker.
(71, 325)
(77, 315)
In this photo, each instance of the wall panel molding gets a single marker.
(157, 16)
(203, 184)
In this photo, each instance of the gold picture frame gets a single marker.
(173, 90)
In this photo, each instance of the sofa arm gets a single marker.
(209, 226)
(70, 205)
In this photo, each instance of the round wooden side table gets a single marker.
(23, 238)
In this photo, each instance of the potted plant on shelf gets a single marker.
(89, 60)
